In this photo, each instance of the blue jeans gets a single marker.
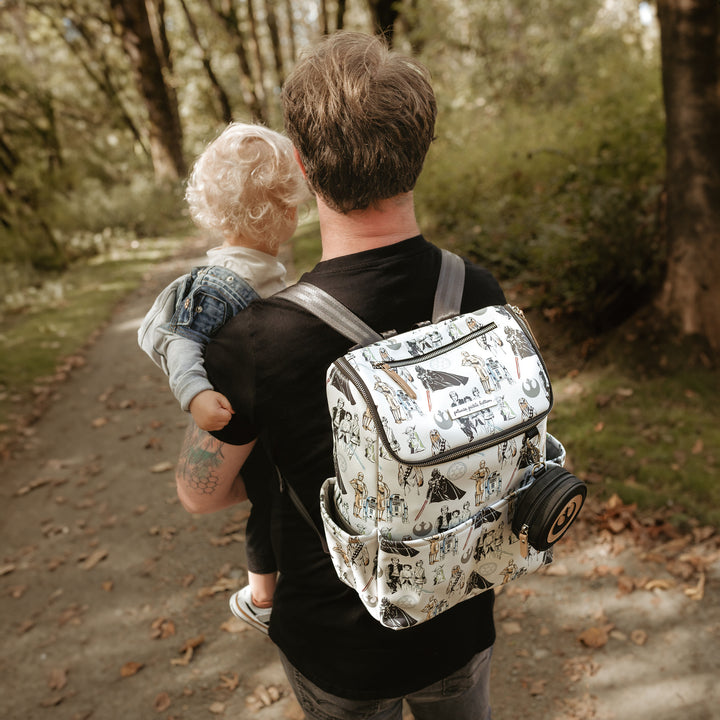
(464, 695)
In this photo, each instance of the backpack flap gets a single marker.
(449, 389)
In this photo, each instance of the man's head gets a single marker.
(362, 119)
(247, 186)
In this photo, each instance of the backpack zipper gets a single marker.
(479, 445)
(437, 351)
(349, 371)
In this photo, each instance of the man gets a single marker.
(361, 119)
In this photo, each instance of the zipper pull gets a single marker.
(523, 536)
(398, 380)
(524, 321)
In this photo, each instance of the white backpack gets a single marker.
(439, 437)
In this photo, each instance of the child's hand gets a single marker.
(211, 410)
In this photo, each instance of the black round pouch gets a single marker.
(548, 505)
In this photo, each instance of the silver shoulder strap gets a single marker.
(331, 311)
(448, 298)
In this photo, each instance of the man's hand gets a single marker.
(211, 410)
(207, 475)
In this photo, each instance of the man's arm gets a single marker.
(207, 475)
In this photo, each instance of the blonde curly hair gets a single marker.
(247, 186)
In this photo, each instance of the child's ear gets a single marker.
(300, 162)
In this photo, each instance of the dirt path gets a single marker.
(113, 600)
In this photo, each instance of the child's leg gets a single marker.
(262, 588)
(260, 483)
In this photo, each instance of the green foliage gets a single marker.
(651, 440)
(563, 193)
(53, 321)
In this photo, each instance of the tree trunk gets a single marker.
(163, 117)
(340, 16)
(274, 30)
(291, 30)
(324, 17)
(227, 15)
(690, 35)
(220, 93)
(257, 52)
(384, 14)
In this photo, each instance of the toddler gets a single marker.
(247, 186)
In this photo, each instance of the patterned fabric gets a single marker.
(432, 431)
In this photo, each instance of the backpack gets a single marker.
(446, 483)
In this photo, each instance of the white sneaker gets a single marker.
(241, 605)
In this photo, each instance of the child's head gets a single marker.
(247, 185)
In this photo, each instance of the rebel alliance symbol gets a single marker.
(567, 515)
(422, 529)
(531, 388)
(440, 420)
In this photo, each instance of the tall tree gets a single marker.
(226, 12)
(149, 68)
(218, 88)
(274, 31)
(384, 14)
(690, 37)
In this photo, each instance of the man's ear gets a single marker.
(300, 162)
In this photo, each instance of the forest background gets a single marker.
(577, 156)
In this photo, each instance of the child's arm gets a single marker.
(211, 410)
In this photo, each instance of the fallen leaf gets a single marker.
(94, 558)
(639, 637)
(131, 668)
(99, 422)
(192, 643)
(698, 447)
(697, 592)
(184, 660)
(7, 569)
(263, 696)
(229, 682)
(594, 637)
(537, 687)
(57, 679)
(17, 591)
(659, 585)
(107, 586)
(162, 702)
(217, 708)
(162, 467)
(162, 628)
(25, 626)
(511, 627)
(222, 585)
(556, 570)
(234, 625)
(52, 701)
(625, 584)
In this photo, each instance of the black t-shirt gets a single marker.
(270, 361)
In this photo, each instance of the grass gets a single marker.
(58, 323)
(652, 440)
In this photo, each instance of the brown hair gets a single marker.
(362, 119)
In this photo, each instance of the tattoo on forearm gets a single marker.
(202, 455)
